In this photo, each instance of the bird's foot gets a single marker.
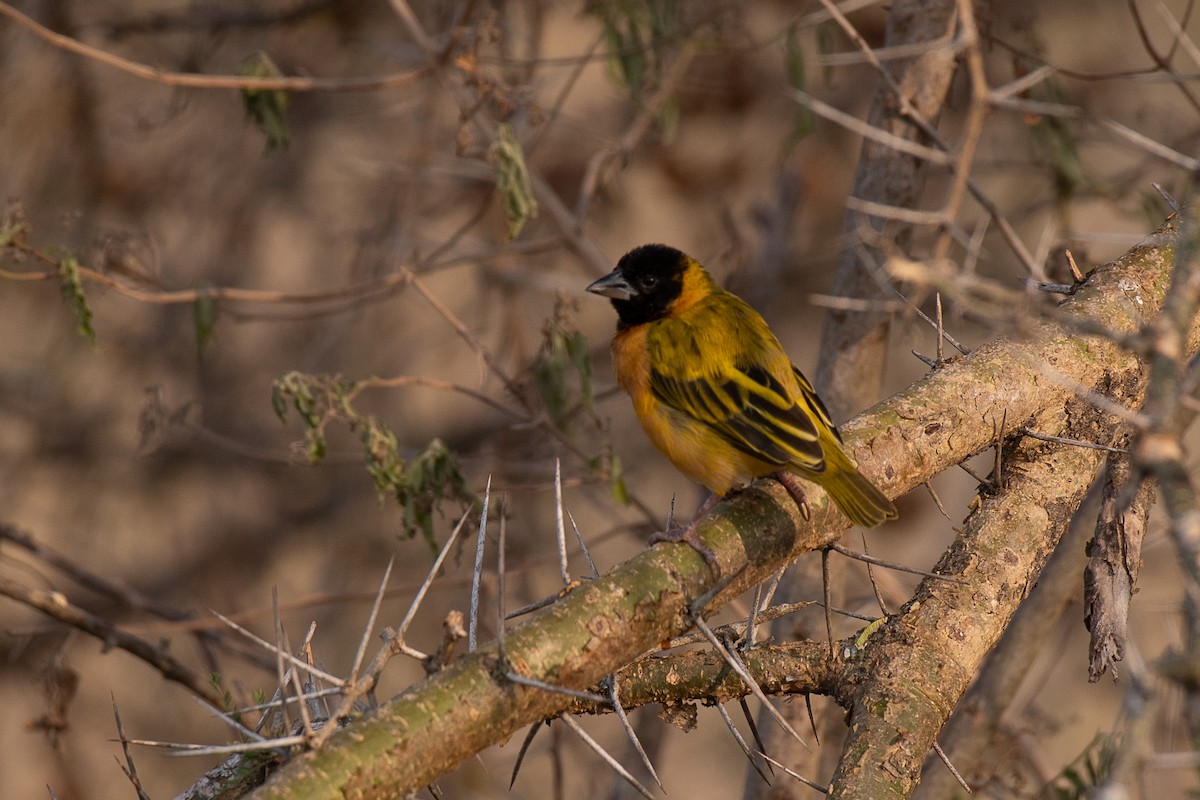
(792, 484)
(688, 535)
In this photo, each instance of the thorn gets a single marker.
(812, 720)
(737, 737)
(825, 596)
(941, 331)
(477, 575)
(533, 729)
(866, 558)
(754, 728)
(998, 469)
(871, 577)
(792, 773)
(1166, 196)
(929, 362)
(937, 748)
(560, 528)
(500, 582)
(610, 684)
(1052, 288)
(604, 754)
(731, 658)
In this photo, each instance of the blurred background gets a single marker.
(358, 231)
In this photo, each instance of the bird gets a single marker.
(716, 392)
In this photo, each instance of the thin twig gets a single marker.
(57, 606)
(196, 81)
(893, 565)
(291, 659)
(128, 767)
(1045, 437)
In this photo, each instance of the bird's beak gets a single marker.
(613, 285)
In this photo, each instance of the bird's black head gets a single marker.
(646, 284)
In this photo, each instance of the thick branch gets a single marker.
(56, 605)
(920, 663)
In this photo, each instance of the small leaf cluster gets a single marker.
(267, 109)
(512, 180)
(419, 485)
(562, 368)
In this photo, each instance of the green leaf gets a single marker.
(72, 294)
(562, 369)
(1089, 770)
(617, 478)
(420, 487)
(12, 233)
(267, 109)
(577, 349)
(384, 464)
(512, 180)
(317, 399)
(635, 32)
(204, 317)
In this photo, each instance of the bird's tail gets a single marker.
(859, 499)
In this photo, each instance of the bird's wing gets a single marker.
(814, 403)
(734, 382)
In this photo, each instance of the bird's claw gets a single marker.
(792, 484)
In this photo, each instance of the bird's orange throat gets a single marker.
(697, 285)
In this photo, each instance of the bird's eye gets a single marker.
(649, 281)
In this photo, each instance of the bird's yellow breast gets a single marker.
(695, 449)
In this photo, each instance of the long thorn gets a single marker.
(583, 546)
(433, 572)
(500, 582)
(797, 775)
(825, 595)
(871, 578)
(741, 742)
(591, 697)
(370, 626)
(286, 656)
(533, 730)
(753, 726)
(630, 733)
(747, 678)
(941, 331)
(604, 754)
(560, 528)
(477, 575)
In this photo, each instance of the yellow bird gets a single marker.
(715, 391)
